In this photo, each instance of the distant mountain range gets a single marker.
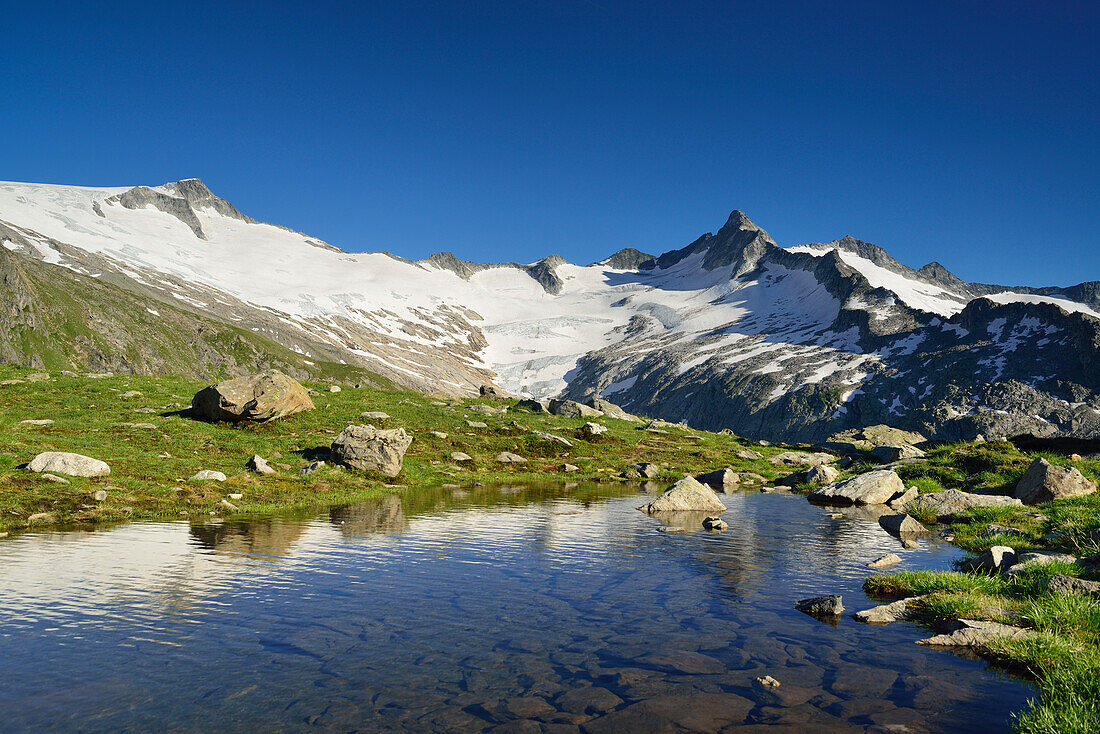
(732, 331)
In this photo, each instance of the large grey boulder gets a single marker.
(801, 458)
(75, 465)
(896, 452)
(820, 474)
(1026, 560)
(948, 505)
(1044, 481)
(611, 410)
(873, 488)
(686, 495)
(572, 409)
(371, 449)
(1072, 586)
(536, 406)
(264, 397)
(880, 435)
(720, 479)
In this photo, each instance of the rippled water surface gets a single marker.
(510, 609)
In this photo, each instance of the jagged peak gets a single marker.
(628, 258)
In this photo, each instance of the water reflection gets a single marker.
(535, 607)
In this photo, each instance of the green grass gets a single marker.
(150, 467)
(1063, 652)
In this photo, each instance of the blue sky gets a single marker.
(961, 132)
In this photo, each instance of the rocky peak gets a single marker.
(179, 199)
(627, 258)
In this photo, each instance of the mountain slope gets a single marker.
(730, 331)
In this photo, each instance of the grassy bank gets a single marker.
(153, 448)
(1063, 653)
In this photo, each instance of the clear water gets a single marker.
(506, 609)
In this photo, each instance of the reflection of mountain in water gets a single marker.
(274, 537)
(379, 515)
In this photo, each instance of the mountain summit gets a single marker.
(731, 330)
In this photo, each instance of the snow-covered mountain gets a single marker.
(730, 331)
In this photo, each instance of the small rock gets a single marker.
(438, 434)
(493, 392)
(259, 465)
(767, 680)
(974, 633)
(890, 559)
(55, 479)
(1030, 559)
(670, 529)
(898, 503)
(36, 422)
(720, 479)
(996, 559)
(747, 454)
(591, 430)
(801, 458)
(533, 405)
(310, 468)
(901, 525)
(714, 523)
(508, 457)
(552, 438)
(569, 468)
(206, 474)
(648, 470)
(820, 474)
(377, 415)
(334, 388)
(130, 394)
(994, 530)
(821, 606)
(460, 456)
(227, 505)
(476, 424)
(11, 382)
(41, 517)
(236, 496)
(872, 488)
(886, 613)
(896, 452)
(100, 495)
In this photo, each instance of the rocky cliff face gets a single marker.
(731, 331)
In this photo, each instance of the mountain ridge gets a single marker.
(729, 331)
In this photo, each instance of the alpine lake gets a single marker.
(553, 608)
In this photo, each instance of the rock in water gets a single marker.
(722, 479)
(890, 559)
(974, 633)
(821, 606)
(901, 525)
(872, 488)
(371, 449)
(714, 523)
(1044, 481)
(687, 495)
(75, 465)
(264, 397)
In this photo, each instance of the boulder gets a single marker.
(900, 525)
(507, 457)
(259, 465)
(1044, 481)
(947, 506)
(551, 438)
(899, 502)
(821, 606)
(591, 430)
(820, 474)
(264, 397)
(880, 435)
(974, 633)
(747, 454)
(890, 452)
(495, 393)
(572, 409)
(1072, 586)
(486, 409)
(686, 495)
(372, 449)
(996, 559)
(720, 479)
(532, 405)
(647, 470)
(873, 488)
(801, 458)
(207, 474)
(75, 465)
(890, 559)
(611, 410)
